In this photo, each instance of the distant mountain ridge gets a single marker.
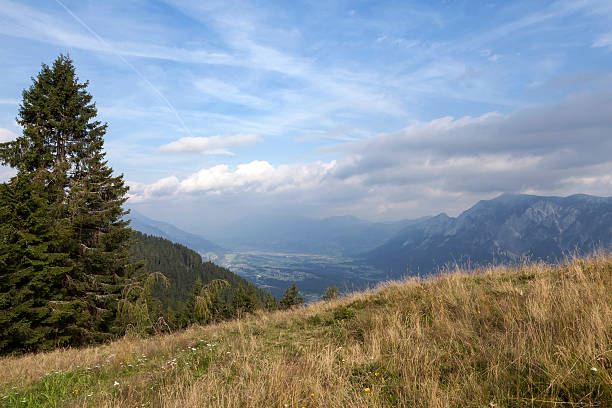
(148, 226)
(339, 235)
(503, 229)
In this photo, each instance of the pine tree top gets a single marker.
(58, 120)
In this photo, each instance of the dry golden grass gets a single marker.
(535, 335)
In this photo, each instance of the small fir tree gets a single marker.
(291, 298)
(202, 306)
(330, 293)
(252, 302)
(239, 301)
(270, 302)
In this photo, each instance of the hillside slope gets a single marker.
(182, 267)
(507, 337)
(504, 229)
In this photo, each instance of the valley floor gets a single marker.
(312, 273)
(535, 335)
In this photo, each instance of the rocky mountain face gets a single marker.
(505, 229)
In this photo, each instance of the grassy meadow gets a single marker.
(530, 336)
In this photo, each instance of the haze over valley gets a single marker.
(353, 254)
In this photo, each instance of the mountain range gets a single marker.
(340, 235)
(506, 229)
(161, 229)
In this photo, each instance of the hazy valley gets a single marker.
(353, 254)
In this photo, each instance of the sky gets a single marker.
(383, 110)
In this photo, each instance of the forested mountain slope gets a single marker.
(184, 267)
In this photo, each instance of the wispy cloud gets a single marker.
(227, 92)
(19, 20)
(6, 135)
(208, 145)
(604, 41)
(559, 148)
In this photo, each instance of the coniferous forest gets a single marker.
(71, 270)
(192, 291)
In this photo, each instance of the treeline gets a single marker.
(180, 297)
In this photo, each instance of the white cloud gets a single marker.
(6, 135)
(445, 164)
(256, 176)
(209, 145)
(6, 173)
(398, 41)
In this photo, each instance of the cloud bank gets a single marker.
(558, 149)
(256, 177)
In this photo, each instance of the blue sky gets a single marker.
(383, 110)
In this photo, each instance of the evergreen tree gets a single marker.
(239, 301)
(36, 313)
(330, 293)
(187, 315)
(203, 304)
(59, 157)
(251, 301)
(245, 301)
(270, 302)
(291, 298)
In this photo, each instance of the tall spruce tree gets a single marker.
(75, 210)
(36, 314)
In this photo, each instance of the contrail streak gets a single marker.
(110, 47)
